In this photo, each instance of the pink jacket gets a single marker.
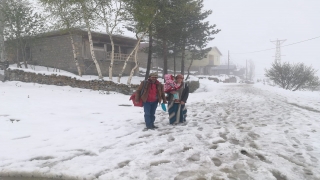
(170, 85)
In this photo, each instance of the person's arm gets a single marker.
(163, 95)
(138, 91)
(185, 94)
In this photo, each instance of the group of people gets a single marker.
(174, 92)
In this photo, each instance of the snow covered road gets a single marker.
(233, 131)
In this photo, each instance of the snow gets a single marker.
(51, 71)
(233, 131)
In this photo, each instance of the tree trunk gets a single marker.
(93, 55)
(23, 53)
(75, 54)
(136, 48)
(149, 52)
(165, 56)
(174, 60)
(2, 47)
(18, 60)
(112, 57)
(126, 61)
(182, 58)
(135, 67)
(189, 69)
(84, 11)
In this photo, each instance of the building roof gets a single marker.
(224, 67)
(217, 50)
(84, 32)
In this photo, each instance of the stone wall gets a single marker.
(19, 75)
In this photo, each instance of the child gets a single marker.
(170, 86)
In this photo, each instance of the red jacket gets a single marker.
(160, 95)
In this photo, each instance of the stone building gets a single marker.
(54, 50)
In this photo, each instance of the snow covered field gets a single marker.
(233, 131)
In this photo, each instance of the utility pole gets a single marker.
(228, 64)
(278, 44)
(246, 69)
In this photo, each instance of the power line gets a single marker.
(280, 46)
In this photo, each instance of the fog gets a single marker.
(248, 26)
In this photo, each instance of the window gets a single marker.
(98, 46)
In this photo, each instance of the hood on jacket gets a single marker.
(168, 77)
(155, 82)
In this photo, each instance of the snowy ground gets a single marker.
(233, 131)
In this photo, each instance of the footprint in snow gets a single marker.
(186, 149)
(170, 138)
(278, 175)
(223, 136)
(309, 148)
(307, 172)
(165, 133)
(296, 140)
(157, 163)
(158, 152)
(253, 135)
(216, 161)
(123, 164)
(104, 148)
(234, 141)
(244, 152)
(200, 128)
(198, 136)
(195, 157)
(145, 136)
(40, 158)
(219, 141)
(214, 146)
(136, 143)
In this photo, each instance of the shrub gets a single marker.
(293, 76)
(193, 86)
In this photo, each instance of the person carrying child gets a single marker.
(171, 86)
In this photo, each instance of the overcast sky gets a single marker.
(250, 25)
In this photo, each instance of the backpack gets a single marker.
(133, 97)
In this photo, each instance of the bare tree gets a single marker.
(87, 16)
(135, 67)
(293, 76)
(111, 14)
(66, 17)
(136, 48)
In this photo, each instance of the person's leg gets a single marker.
(172, 108)
(154, 106)
(183, 114)
(147, 114)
